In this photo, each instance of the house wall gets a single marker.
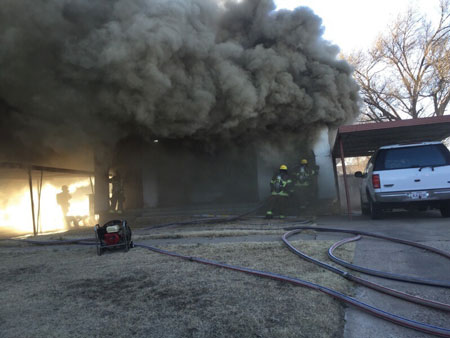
(322, 151)
(172, 173)
(127, 160)
(187, 173)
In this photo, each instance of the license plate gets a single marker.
(418, 195)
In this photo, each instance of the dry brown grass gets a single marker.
(71, 292)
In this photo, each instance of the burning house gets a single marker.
(192, 101)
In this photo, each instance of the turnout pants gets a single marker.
(117, 202)
(277, 205)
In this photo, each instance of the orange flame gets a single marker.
(17, 216)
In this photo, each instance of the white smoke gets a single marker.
(87, 71)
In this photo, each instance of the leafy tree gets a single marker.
(406, 74)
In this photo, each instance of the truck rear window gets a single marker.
(433, 155)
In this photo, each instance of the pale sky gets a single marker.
(354, 24)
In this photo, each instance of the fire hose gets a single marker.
(423, 327)
(382, 274)
(207, 220)
(430, 329)
(387, 275)
(375, 286)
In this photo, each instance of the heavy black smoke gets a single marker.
(81, 71)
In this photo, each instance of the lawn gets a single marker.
(68, 291)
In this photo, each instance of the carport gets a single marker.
(364, 139)
(11, 169)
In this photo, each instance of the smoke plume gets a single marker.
(78, 71)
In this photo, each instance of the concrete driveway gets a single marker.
(427, 228)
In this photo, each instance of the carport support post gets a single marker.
(336, 181)
(30, 181)
(344, 172)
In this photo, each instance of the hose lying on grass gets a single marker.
(422, 327)
(430, 329)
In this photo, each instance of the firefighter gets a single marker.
(279, 187)
(303, 184)
(63, 199)
(117, 195)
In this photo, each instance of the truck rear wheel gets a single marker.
(365, 208)
(375, 210)
(445, 209)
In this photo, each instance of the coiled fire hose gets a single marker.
(387, 275)
(403, 278)
(422, 327)
(430, 329)
(375, 286)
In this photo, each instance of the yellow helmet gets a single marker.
(283, 167)
(304, 161)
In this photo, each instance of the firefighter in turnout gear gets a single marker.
(117, 194)
(303, 184)
(63, 199)
(280, 186)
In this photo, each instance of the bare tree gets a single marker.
(406, 74)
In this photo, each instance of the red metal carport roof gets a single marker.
(364, 139)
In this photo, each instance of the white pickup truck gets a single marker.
(406, 176)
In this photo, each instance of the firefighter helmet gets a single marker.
(283, 167)
(304, 161)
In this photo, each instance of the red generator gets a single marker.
(115, 234)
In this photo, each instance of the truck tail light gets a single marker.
(376, 181)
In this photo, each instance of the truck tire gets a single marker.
(375, 210)
(445, 209)
(365, 208)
